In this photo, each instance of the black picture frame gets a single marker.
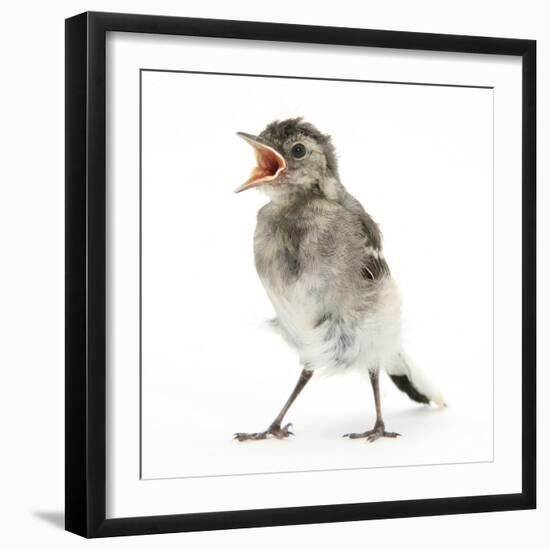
(85, 491)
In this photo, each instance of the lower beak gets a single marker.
(270, 163)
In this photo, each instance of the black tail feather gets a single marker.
(404, 384)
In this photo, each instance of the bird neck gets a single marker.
(288, 194)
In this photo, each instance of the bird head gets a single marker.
(292, 158)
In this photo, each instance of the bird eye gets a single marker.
(298, 151)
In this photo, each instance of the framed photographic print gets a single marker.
(350, 335)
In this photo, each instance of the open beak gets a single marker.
(270, 163)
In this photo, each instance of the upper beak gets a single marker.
(270, 163)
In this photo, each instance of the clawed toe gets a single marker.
(241, 436)
(376, 435)
(372, 435)
(274, 431)
(281, 433)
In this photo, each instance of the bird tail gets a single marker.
(412, 381)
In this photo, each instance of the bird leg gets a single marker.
(379, 429)
(275, 429)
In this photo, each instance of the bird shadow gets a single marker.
(406, 417)
(54, 518)
(420, 410)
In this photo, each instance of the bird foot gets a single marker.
(274, 430)
(372, 435)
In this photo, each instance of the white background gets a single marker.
(420, 159)
(31, 234)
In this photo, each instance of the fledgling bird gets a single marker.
(319, 257)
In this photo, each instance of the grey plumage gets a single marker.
(319, 256)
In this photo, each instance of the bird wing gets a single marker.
(374, 265)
